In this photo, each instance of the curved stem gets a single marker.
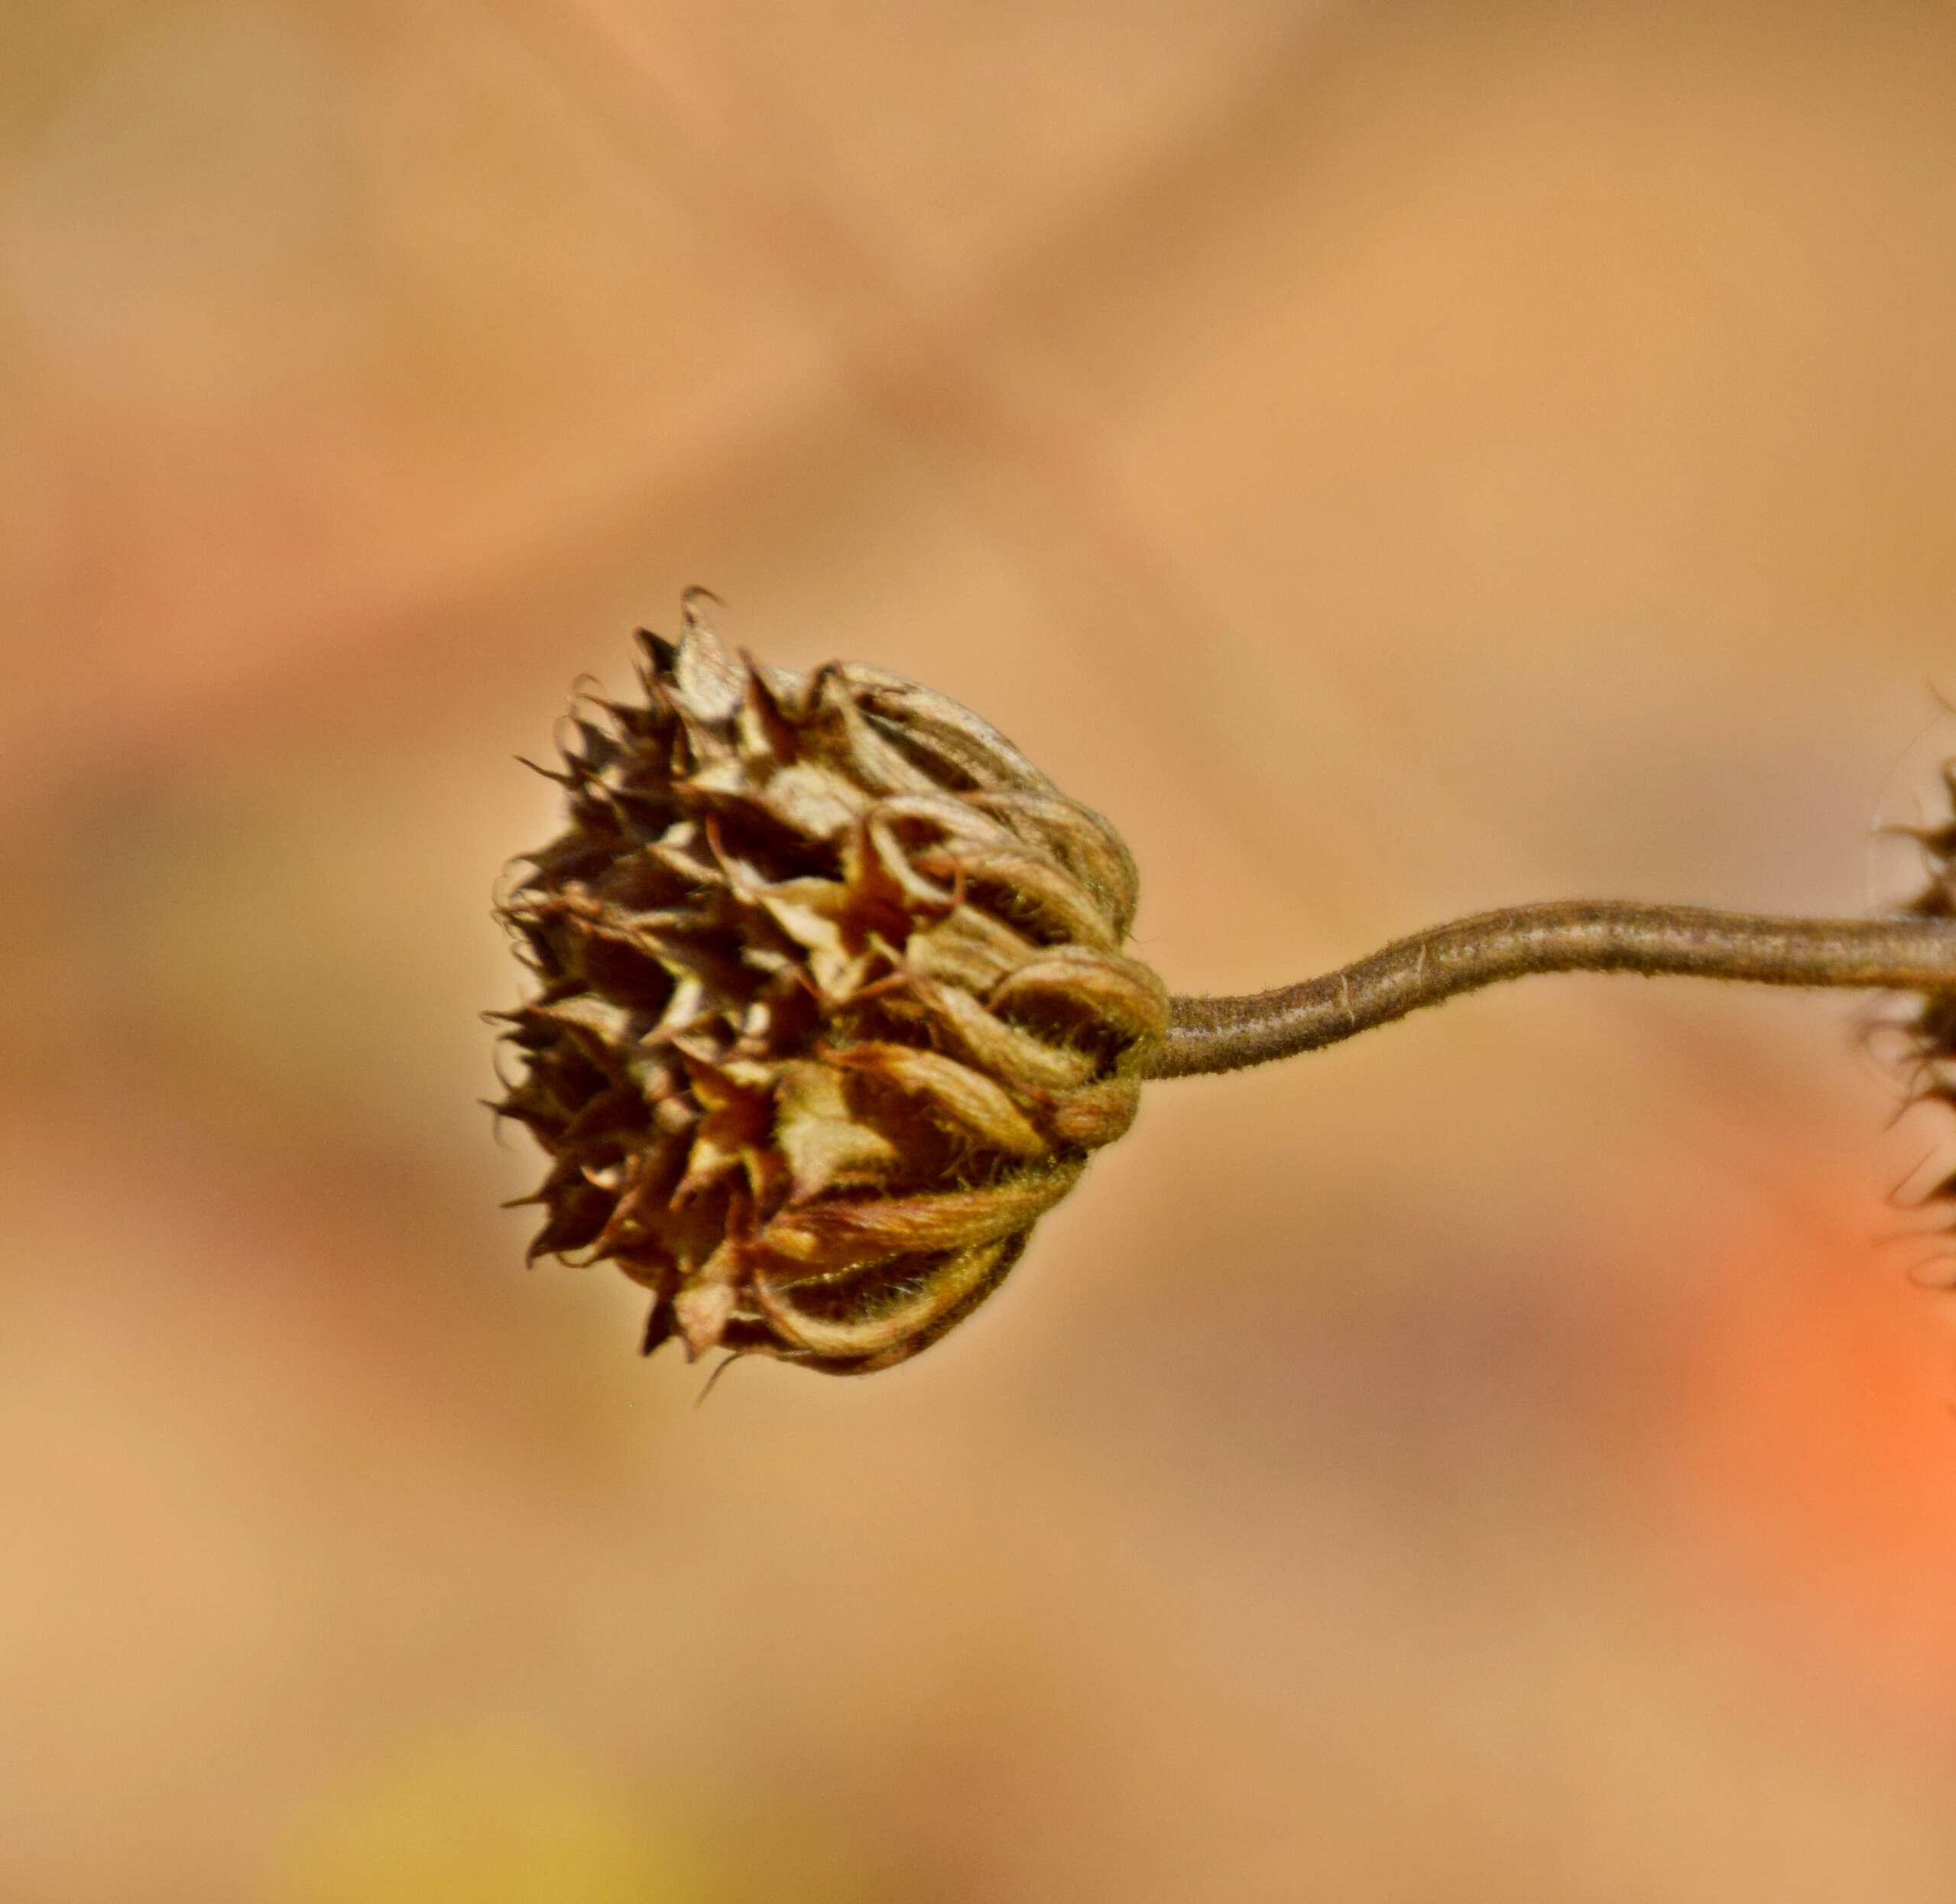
(1907, 953)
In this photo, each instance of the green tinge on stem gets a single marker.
(1908, 953)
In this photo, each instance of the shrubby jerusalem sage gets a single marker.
(831, 1004)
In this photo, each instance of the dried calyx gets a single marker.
(831, 1004)
(831, 1007)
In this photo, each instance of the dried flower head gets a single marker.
(1927, 1020)
(831, 1004)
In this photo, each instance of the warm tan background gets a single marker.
(1395, 458)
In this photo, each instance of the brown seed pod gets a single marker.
(831, 1004)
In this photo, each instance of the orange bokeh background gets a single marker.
(1396, 460)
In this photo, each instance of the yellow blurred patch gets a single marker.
(502, 1820)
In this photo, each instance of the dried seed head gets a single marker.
(1927, 1021)
(830, 1005)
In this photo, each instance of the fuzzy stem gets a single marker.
(1907, 953)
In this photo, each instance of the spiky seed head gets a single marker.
(1927, 1021)
(829, 1006)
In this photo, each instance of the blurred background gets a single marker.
(1396, 459)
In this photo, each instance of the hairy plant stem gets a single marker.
(1907, 953)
